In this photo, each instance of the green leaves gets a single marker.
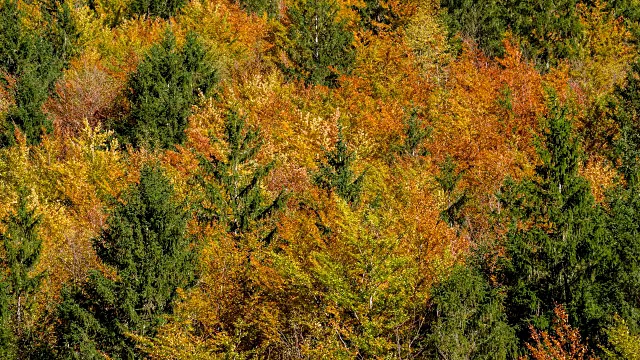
(557, 238)
(469, 320)
(34, 61)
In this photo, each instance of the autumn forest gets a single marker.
(320, 179)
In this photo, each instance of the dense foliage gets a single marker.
(319, 179)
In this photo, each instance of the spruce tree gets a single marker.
(548, 31)
(232, 185)
(336, 173)
(320, 46)
(415, 134)
(376, 15)
(468, 319)
(557, 240)
(35, 61)
(260, 7)
(448, 179)
(147, 247)
(160, 8)
(162, 90)
(20, 251)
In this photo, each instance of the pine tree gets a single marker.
(232, 185)
(336, 174)
(321, 48)
(162, 91)
(146, 245)
(557, 238)
(20, 251)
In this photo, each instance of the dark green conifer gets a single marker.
(547, 30)
(35, 61)
(162, 90)
(336, 173)
(260, 7)
(468, 319)
(557, 239)
(232, 185)
(160, 8)
(415, 134)
(19, 255)
(448, 179)
(146, 245)
(320, 47)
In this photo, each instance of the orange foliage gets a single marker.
(565, 344)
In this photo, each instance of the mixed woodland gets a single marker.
(320, 179)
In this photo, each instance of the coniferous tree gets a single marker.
(320, 47)
(31, 61)
(35, 61)
(415, 134)
(448, 180)
(269, 7)
(623, 204)
(147, 247)
(163, 89)
(557, 239)
(20, 251)
(547, 30)
(336, 173)
(376, 15)
(160, 8)
(232, 185)
(469, 320)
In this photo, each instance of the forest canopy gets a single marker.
(319, 179)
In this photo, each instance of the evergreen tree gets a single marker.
(557, 239)
(35, 61)
(269, 7)
(320, 48)
(623, 204)
(160, 8)
(448, 180)
(20, 251)
(162, 91)
(376, 15)
(547, 30)
(336, 174)
(415, 133)
(469, 321)
(146, 245)
(481, 21)
(232, 185)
